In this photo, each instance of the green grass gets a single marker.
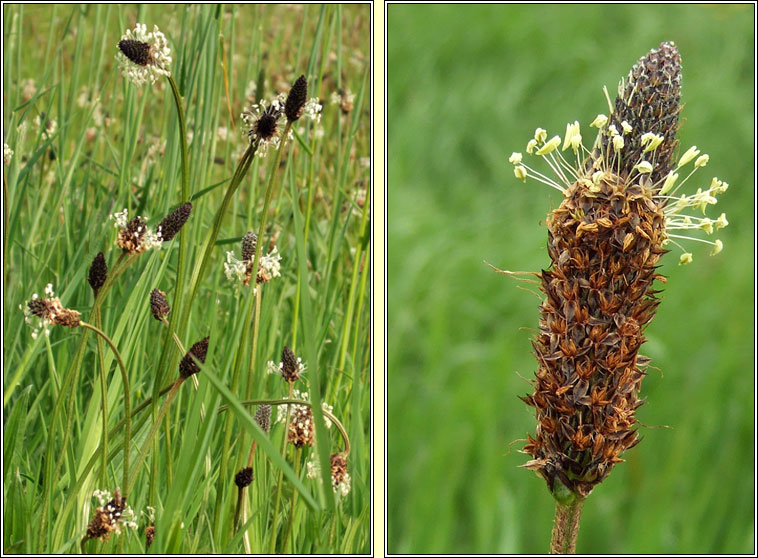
(466, 87)
(126, 153)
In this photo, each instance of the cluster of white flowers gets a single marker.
(568, 172)
(269, 267)
(273, 368)
(49, 126)
(313, 471)
(271, 263)
(159, 58)
(127, 518)
(37, 323)
(7, 154)
(134, 236)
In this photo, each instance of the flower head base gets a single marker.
(143, 56)
(40, 313)
(134, 236)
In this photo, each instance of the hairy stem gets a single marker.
(566, 526)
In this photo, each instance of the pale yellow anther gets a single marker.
(668, 184)
(549, 146)
(530, 146)
(701, 161)
(520, 172)
(717, 247)
(644, 167)
(618, 143)
(600, 121)
(721, 222)
(540, 134)
(685, 258)
(515, 158)
(690, 154)
(626, 128)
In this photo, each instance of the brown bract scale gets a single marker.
(52, 312)
(293, 106)
(605, 242)
(136, 51)
(149, 535)
(130, 237)
(188, 366)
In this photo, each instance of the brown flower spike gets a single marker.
(605, 241)
(188, 366)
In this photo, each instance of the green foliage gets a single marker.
(125, 152)
(466, 87)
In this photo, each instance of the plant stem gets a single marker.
(127, 410)
(566, 526)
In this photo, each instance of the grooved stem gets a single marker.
(566, 526)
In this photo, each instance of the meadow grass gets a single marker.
(116, 146)
(466, 87)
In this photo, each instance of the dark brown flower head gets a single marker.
(188, 366)
(301, 429)
(648, 101)
(149, 535)
(174, 221)
(105, 519)
(266, 127)
(159, 305)
(298, 95)
(290, 365)
(136, 51)
(263, 417)
(249, 243)
(244, 477)
(98, 272)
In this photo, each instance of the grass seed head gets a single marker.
(98, 272)
(244, 477)
(174, 221)
(188, 366)
(298, 95)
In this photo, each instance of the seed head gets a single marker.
(106, 519)
(98, 272)
(174, 221)
(263, 417)
(136, 51)
(244, 477)
(149, 535)
(188, 366)
(159, 305)
(290, 365)
(301, 428)
(249, 243)
(293, 107)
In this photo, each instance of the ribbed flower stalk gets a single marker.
(605, 242)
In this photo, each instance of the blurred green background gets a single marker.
(467, 85)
